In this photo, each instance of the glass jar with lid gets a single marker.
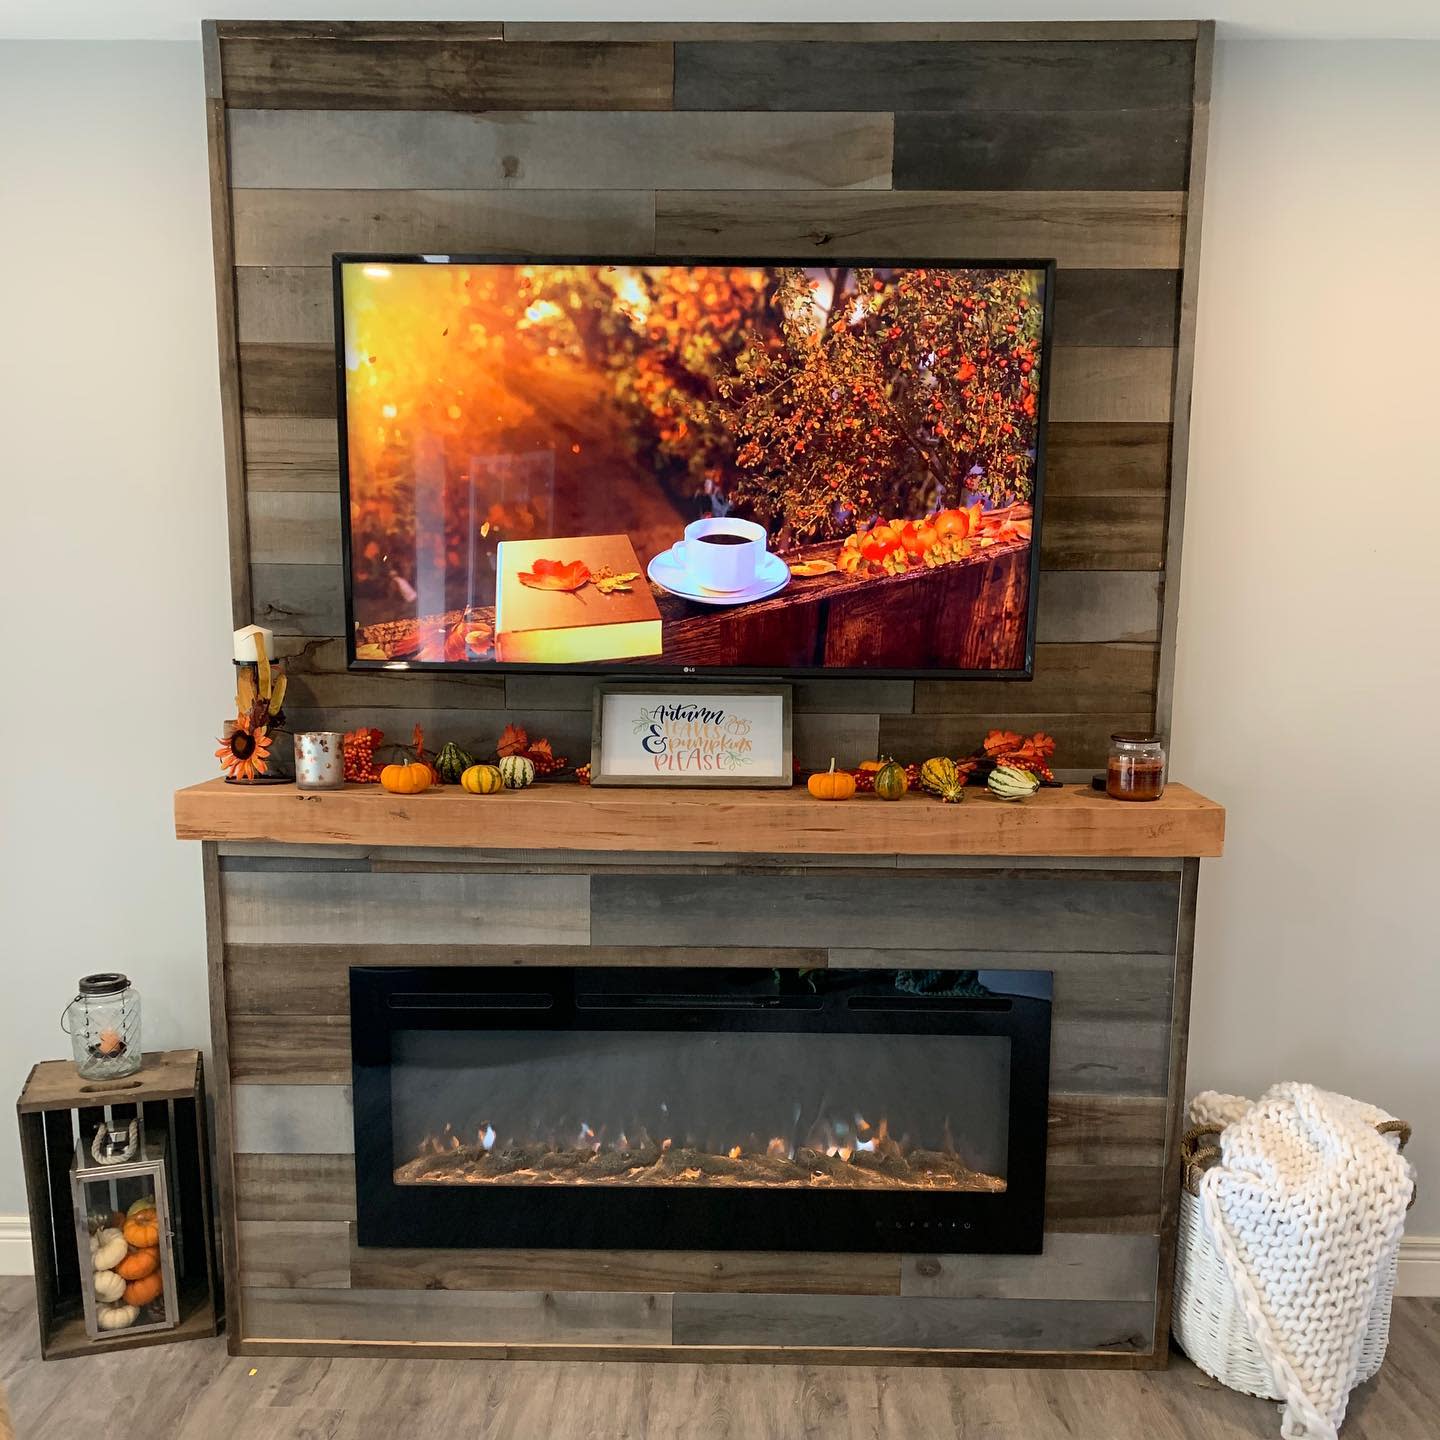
(1136, 768)
(103, 1022)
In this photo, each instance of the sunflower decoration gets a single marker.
(244, 751)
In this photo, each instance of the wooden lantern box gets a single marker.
(59, 1107)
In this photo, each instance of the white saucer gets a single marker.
(669, 572)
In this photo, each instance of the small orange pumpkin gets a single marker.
(139, 1263)
(831, 784)
(143, 1291)
(410, 777)
(142, 1230)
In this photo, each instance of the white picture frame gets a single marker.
(730, 737)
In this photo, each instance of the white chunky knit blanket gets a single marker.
(1304, 1207)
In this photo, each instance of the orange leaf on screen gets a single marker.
(806, 568)
(556, 575)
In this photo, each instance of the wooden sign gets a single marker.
(691, 735)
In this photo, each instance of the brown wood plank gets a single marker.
(556, 150)
(294, 1187)
(1103, 1198)
(56, 1085)
(284, 380)
(299, 599)
(222, 239)
(690, 1271)
(290, 1049)
(1070, 821)
(1072, 1267)
(1091, 607)
(295, 1254)
(1025, 149)
(504, 1316)
(444, 72)
(369, 30)
(1069, 679)
(882, 1321)
(829, 32)
(1105, 458)
(1106, 230)
(1080, 532)
(1127, 1131)
(1109, 1057)
(305, 227)
(973, 76)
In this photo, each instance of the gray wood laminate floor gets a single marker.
(196, 1391)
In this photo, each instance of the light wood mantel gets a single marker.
(562, 816)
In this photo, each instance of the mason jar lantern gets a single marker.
(103, 1022)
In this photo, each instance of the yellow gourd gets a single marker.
(482, 780)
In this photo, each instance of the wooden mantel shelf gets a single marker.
(1070, 822)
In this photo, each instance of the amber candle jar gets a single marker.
(1136, 768)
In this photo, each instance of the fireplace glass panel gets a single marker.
(864, 1111)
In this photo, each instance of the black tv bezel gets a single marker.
(644, 669)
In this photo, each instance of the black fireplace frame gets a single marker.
(1012, 1004)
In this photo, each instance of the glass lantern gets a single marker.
(103, 1022)
(123, 1229)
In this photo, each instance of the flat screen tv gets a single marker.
(731, 467)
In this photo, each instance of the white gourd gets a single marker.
(516, 772)
(109, 1285)
(110, 1250)
(116, 1317)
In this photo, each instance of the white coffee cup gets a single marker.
(723, 564)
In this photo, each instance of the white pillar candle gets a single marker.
(245, 643)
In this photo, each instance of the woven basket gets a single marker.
(1209, 1325)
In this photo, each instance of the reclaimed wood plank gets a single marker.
(1107, 1057)
(504, 1316)
(291, 453)
(556, 150)
(305, 227)
(289, 380)
(847, 696)
(295, 1254)
(1130, 383)
(1103, 1198)
(1081, 740)
(690, 1271)
(828, 31)
(294, 1187)
(1048, 75)
(319, 680)
(294, 527)
(445, 72)
(1100, 230)
(1099, 307)
(285, 305)
(1091, 607)
(345, 907)
(819, 738)
(1124, 1131)
(998, 912)
(293, 1119)
(883, 1321)
(1104, 458)
(1022, 149)
(1068, 679)
(371, 30)
(299, 599)
(1092, 532)
(290, 1050)
(1073, 821)
(1072, 1267)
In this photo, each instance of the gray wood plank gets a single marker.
(477, 1316)
(999, 912)
(1102, 458)
(1103, 532)
(1072, 1267)
(293, 1119)
(1101, 307)
(288, 453)
(295, 1187)
(295, 1254)
(1068, 679)
(1109, 230)
(819, 738)
(1129, 383)
(344, 907)
(829, 32)
(975, 75)
(295, 527)
(318, 680)
(284, 305)
(305, 227)
(290, 1051)
(555, 150)
(299, 599)
(1087, 607)
(883, 1321)
(820, 696)
(1109, 1057)
(355, 72)
(1081, 740)
(1023, 149)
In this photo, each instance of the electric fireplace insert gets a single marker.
(643, 1108)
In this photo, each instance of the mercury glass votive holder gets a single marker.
(319, 759)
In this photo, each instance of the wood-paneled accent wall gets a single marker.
(288, 922)
(1084, 142)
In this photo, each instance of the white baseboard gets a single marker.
(15, 1256)
(1419, 1257)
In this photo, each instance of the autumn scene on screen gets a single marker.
(711, 465)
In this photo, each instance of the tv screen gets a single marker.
(728, 466)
